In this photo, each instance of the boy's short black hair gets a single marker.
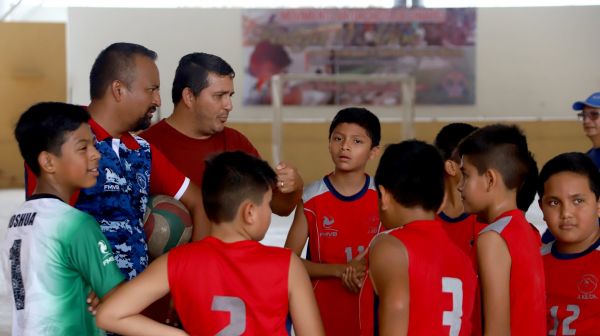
(573, 162)
(116, 62)
(192, 72)
(504, 148)
(361, 117)
(526, 193)
(450, 136)
(413, 172)
(229, 179)
(44, 127)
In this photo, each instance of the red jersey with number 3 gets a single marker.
(442, 284)
(572, 287)
(230, 288)
(339, 228)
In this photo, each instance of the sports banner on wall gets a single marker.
(437, 46)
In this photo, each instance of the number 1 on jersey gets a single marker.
(16, 276)
(348, 251)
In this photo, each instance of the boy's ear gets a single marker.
(248, 212)
(451, 167)
(374, 152)
(598, 207)
(492, 178)
(46, 162)
(384, 199)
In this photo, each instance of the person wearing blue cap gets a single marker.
(589, 115)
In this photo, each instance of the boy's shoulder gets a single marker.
(324, 186)
(511, 217)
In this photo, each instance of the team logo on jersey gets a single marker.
(103, 247)
(107, 256)
(328, 227)
(328, 222)
(587, 286)
(113, 181)
(141, 181)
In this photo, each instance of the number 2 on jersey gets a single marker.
(237, 314)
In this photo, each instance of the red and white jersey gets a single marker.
(339, 228)
(527, 283)
(572, 287)
(442, 284)
(238, 288)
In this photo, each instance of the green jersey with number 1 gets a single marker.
(52, 256)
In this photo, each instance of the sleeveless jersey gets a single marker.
(572, 280)
(339, 228)
(463, 231)
(53, 254)
(442, 283)
(238, 288)
(527, 285)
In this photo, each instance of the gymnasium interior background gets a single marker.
(531, 64)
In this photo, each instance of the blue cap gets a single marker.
(592, 101)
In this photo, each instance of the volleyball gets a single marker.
(167, 223)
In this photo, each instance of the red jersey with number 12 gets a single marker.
(339, 228)
(230, 288)
(572, 289)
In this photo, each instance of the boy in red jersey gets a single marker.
(496, 163)
(227, 283)
(424, 284)
(569, 190)
(462, 227)
(339, 218)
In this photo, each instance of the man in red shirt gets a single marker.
(202, 91)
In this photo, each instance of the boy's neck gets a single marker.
(404, 215)
(229, 232)
(48, 185)
(497, 208)
(453, 206)
(348, 183)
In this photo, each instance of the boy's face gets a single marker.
(77, 164)
(571, 211)
(350, 147)
(263, 216)
(472, 187)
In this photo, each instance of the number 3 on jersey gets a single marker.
(452, 318)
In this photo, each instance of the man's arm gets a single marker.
(388, 269)
(494, 263)
(289, 189)
(121, 312)
(192, 199)
(303, 305)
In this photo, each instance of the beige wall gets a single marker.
(32, 69)
(305, 145)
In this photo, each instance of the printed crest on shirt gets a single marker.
(587, 285)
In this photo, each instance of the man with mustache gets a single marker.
(202, 92)
(124, 90)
